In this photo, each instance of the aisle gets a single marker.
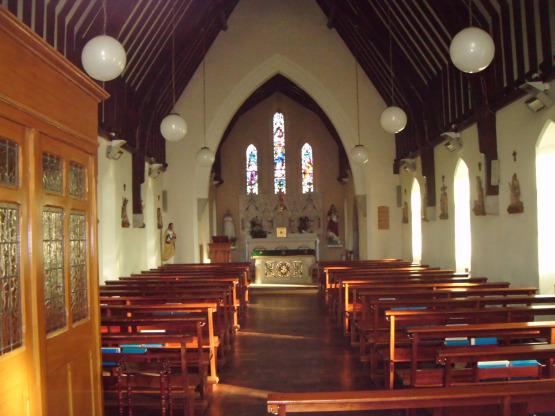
(287, 344)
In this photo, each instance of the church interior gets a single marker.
(249, 207)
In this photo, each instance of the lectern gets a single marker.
(219, 250)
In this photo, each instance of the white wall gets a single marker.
(123, 251)
(266, 37)
(504, 246)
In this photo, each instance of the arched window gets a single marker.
(416, 218)
(252, 170)
(545, 174)
(307, 168)
(463, 242)
(279, 153)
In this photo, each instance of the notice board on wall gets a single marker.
(383, 218)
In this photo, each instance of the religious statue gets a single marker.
(281, 213)
(124, 218)
(443, 201)
(405, 210)
(159, 221)
(333, 227)
(168, 253)
(479, 204)
(516, 206)
(229, 227)
(304, 224)
(256, 230)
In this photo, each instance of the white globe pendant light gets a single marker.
(205, 156)
(103, 58)
(472, 50)
(359, 154)
(393, 119)
(173, 127)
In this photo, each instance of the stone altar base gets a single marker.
(283, 269)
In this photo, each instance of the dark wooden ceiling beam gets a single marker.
(547, 41)
(28, 12)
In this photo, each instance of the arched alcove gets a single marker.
(416, 221)
(463, 240)
(545, 178)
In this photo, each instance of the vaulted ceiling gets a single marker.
(435, 95)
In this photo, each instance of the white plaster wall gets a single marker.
(290, 37)
(125, 250)
(504, 246)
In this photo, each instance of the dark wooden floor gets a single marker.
(287, 344)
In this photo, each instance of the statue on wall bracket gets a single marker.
(332, 234)
(405, 209)
(479, 204)
(443, 201)
(124, 218)
(516, 206)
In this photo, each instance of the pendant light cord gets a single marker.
(469, 13)
(105, 14)
(204, 86)
(358, 105)
(173, 53)
(391, 74)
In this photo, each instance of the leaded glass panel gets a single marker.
(8, 162)
(77, 180)
(307, 168)
(52, 176)
(53, 264)
(252, 170)
(78, 263)
(279, 153)
(11, 332)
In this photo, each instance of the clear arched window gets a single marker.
(252, 170)
(307, 168)
(416, 218)
(279, 153)
(463, 242)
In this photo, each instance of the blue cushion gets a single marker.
(456, 342)
(493, 364)
(133, 350)
(409, 308)
(483, 341)
(142, 345)
(524, 363)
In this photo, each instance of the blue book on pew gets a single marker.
(409, 308)
(456, 342)
(524, 363)
(483, 341)
(493, 364)
(138, 348)
(110, 350)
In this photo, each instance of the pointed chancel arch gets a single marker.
(307, 169)
(463, 238)
(416, 221)
(252, 169)
(545, 177)
(279, 153)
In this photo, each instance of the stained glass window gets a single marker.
(53, 267)
(279, 153)
(78, 264)
(252, 170)
(11, 333)
(8, 162)
(307, 168)
(77, 180)
(52, 176)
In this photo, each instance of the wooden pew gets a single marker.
(488, 399)
(451, 356)
(476, 322)
(208, 310)
(181, 382)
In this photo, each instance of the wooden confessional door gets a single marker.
(64, 208)
(16, 347)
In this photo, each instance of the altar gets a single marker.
(287, 260)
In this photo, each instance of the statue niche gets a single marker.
(516, 206)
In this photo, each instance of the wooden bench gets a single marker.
(451, 356)
(488, 399)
